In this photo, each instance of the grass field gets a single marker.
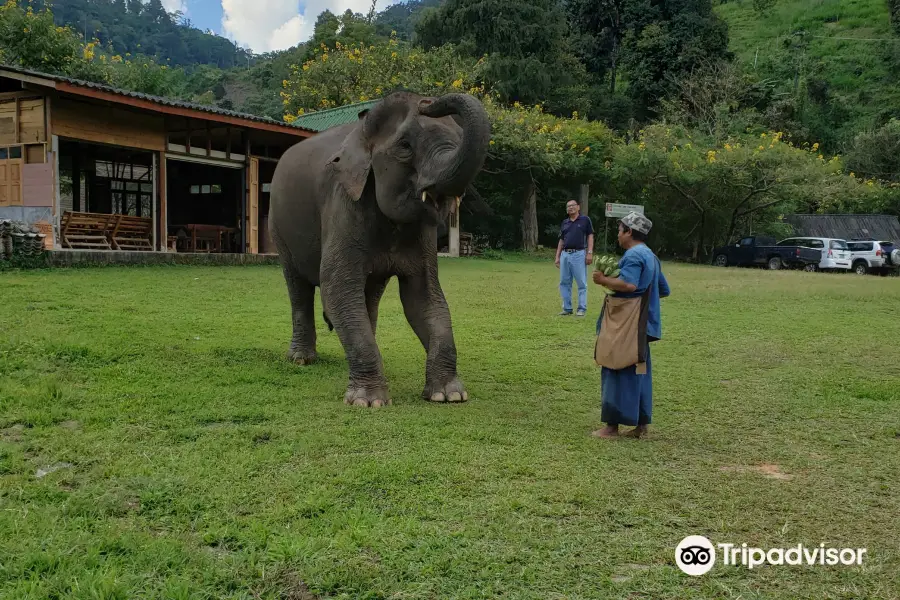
(192, 461)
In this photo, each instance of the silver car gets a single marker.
(868, 256)
(835, 252)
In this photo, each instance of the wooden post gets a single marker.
(154, 202)
(228, 144)
(16, 120)
(453, 232)
(161, 189)
(76, 182)
(187, 141)
(253, 182)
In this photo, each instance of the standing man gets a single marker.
(627, 394)
(574, 253)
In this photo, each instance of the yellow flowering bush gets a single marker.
(712, 189)
(347, 74)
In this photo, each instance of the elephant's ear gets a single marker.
(352, 164)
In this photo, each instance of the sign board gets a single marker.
(620, 210)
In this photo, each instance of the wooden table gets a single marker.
(212, 235)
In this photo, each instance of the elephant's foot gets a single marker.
(452, 391)
(374, 397)
(299, 356)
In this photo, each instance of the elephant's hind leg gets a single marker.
(302, 294)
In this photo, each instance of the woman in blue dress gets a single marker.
(627, 395)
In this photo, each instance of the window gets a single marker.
(747, 242)
(838, 245)
(206, 189)
(266, 187)
(787, 242)
(15, 151)
(860, 246)
(4, 153)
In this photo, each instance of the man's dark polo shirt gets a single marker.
(574, 234)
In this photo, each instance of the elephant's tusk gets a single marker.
(424, 196)
(458, 201)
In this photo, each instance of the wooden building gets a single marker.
(96, 167)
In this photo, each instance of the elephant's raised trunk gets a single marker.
(456, 170)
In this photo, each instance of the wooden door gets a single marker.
(11, 182)
(254, 206)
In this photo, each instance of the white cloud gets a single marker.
(266, 25)
(175, 5)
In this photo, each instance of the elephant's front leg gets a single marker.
(344, 298)
(427, 312)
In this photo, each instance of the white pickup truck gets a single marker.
(869, 256)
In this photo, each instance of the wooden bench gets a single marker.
(132, 233)
(86, 231)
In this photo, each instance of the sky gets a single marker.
(263, 25)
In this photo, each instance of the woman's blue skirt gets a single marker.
(627, 397)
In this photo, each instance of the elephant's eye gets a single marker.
(404, 149)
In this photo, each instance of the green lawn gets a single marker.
(195, 462)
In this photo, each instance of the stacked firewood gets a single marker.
(467, 245)
(18, 239)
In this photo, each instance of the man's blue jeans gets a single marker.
(571, 265)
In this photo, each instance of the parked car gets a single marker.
(835, 253)
(763, 251)
(867, 256)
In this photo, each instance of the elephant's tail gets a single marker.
(327, 321)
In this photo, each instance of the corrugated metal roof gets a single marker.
(847, 227)
(155, 99)
(332, 117)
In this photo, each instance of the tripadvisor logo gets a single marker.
(696, 555)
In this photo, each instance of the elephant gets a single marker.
(358, 204)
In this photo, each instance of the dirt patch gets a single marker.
(292, 588)
(766, 470)
(12, 434)
(627, 571)
(71, 425)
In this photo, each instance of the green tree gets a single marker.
(710, 190)
(32, 40)
(666, 39)
(876, 154)
(602, 25)
(531, 150)
(358, 73)
(525, 44)
(401, 17)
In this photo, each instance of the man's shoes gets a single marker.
(580, 313)
(566, 313)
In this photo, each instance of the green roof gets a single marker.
(332, 117)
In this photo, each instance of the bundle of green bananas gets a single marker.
(609, 266)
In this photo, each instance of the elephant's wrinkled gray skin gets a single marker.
(358, 204)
